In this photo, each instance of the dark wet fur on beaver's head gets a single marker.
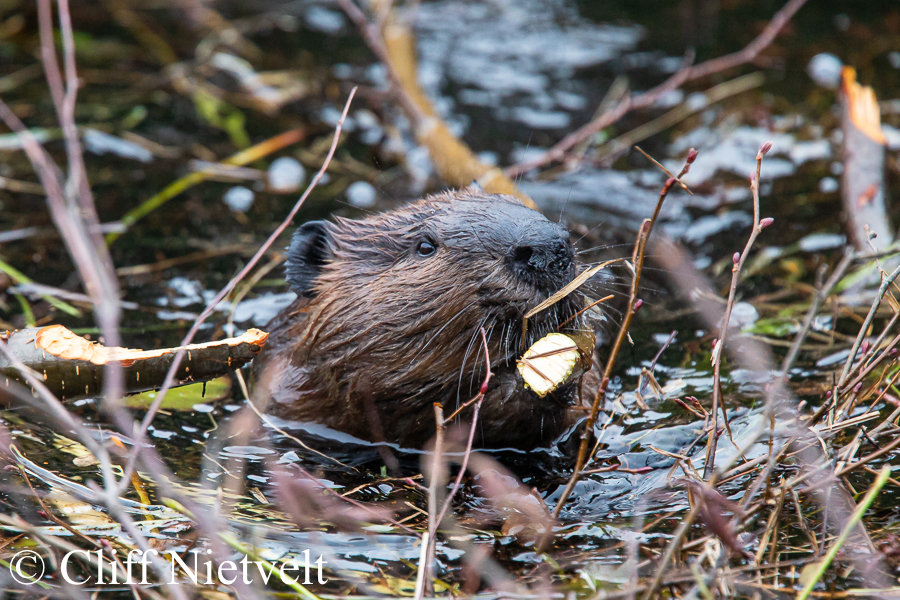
(380, 305)
(379, 308)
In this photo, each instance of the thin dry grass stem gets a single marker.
(426, 567)
(637, 258)
(648, 98)
(873, 362)
(268, 422)
(865, 460)
(665, 170)
(661, 350)
(739, 258)
(563, 292)
(822, 293)
(884, 332)
(671, 548)
(876, 303)
(141, 433)
(585, 309)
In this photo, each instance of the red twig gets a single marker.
(648, 98)
(433, 524)
(477, 400)
(637, 258)
(738, 260)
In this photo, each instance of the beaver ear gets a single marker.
(306, 256)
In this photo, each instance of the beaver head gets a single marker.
(390, 311)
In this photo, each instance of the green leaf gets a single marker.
(185, 397)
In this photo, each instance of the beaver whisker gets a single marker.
(444, 326)
(589, 232)
(462, 367)
(504, 343)
(603, 247)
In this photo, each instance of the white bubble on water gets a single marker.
(239, 198)
(361, 194)
(825, 70)
(286, 174)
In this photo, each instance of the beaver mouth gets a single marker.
(507, 313)
(498, 301)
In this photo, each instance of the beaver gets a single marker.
(388, 316)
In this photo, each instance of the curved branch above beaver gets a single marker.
(388, 315)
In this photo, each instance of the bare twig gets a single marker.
(648, 98)
(821, 294)
(437, 476)
(876, 303)
(170, 376)
(633, 304)
(477, 400)
(739, 258)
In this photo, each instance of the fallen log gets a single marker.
(73, 366)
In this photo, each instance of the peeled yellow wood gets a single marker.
(549, 363)
(72, 366)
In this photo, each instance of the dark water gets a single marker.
(511, 78)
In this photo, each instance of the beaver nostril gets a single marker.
(522, 255)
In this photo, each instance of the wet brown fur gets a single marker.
(376, 315)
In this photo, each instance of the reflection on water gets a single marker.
(511, 77)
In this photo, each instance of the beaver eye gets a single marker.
(425, 248)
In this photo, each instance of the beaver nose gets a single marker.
(543, 257)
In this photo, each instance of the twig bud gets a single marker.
(753, 178)
(894, 352)
(764, 149)
(763, 223)
(736, 258)
(669, 183)
(638, 304)
(829, 394)
(864, 348)
(484, 387)
(692, 156)
(857, 387)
